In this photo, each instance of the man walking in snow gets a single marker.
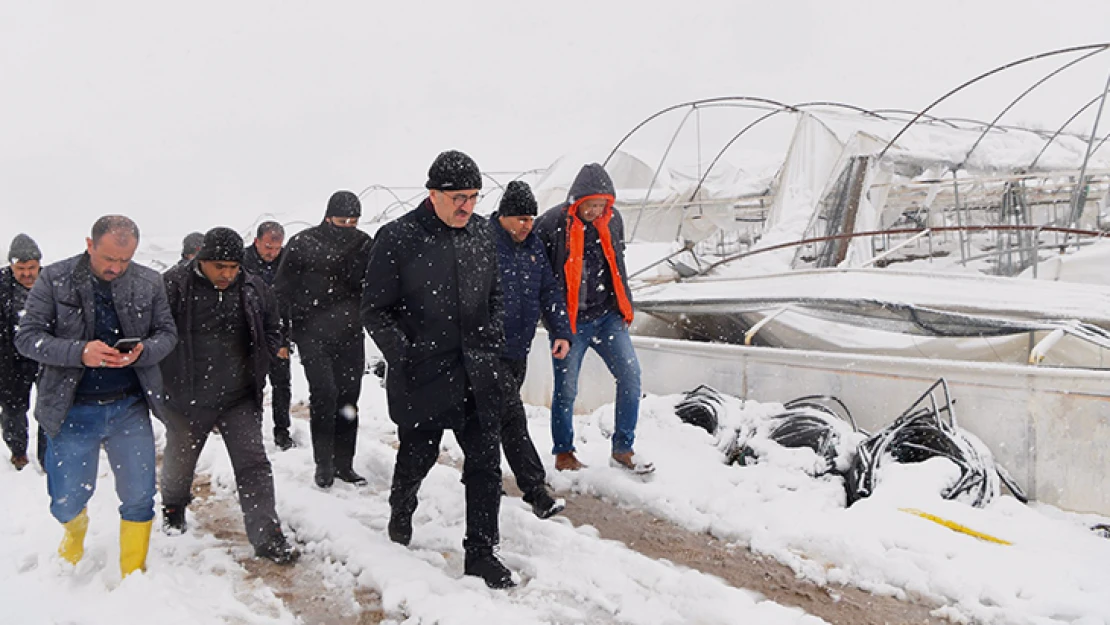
(433, 306)
(528, 290)
(17, 373)
(190, 245)
(91, 394)
(229, 331)
(262, 258)
(584, 240)
(319, 285)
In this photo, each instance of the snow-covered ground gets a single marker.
(1056, 571)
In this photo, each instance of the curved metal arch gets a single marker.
(493, 180)
(695, 104)
(1061, 129)
(851, 107)
(379, 187)
(728, 145)
(1027, 91)
(655, 174)
(928, 118)
(1100, 144)
(1099, 46)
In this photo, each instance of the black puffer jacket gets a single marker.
(320, 280)
(433, 305)
(16, 372)
(261, 310)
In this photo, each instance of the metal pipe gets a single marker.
(1075, 208)
(1061, 129)
(1100, 46)
(655, 174)
(1027, 91)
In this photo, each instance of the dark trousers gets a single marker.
(281, 393)
(334, 372)
(240, 426)
(520, 451)
(13, 422)
(481, 474)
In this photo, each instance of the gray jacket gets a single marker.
(58, 321)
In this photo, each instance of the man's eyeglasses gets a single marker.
(345, 222)
(462, 199)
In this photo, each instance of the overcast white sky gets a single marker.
(208, 113)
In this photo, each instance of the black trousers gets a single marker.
(520, 451)
(13, 414)
(281, 393)
(334, 371)
(240, 426)
(481, 474)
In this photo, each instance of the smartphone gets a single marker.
(126, 345)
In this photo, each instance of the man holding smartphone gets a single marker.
(91, 395)
(230, 333)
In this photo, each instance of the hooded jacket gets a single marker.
(433, 306)
(563, 236)
(59, 319)
(320, 280)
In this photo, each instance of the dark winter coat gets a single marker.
(253, 263)
(433, 306)
(554, 228)
(16, 372)
(528, 289)
(58, 321)
(259, 306)
(320, 280)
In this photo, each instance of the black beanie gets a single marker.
(23, 249)
(223, 244)
(190, 245)
(453, 171)
(518, 201)
(344, 204)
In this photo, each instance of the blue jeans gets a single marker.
(123, 427)
(608, 336)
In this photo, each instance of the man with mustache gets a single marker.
(229, 332)
(433, 306)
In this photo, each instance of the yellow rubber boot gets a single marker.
(73, 542)
(134, 541)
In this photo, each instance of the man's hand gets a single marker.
(283, 353)
(560, 348)
(98, 354)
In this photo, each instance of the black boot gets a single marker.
(543, 505)
(283, 440)
(348, 475)
(400, 527)
(173, 520)
(480, 562)
(278, 550)
(325, 475)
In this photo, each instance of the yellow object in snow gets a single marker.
(73, 542)
(952, 525)
(134, 541)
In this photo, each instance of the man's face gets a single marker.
(268, 246)
(26, 272)
(592, 209)
(454, 208)
(111, 255)
(221, 273)
(518, 227)
(342, 222)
